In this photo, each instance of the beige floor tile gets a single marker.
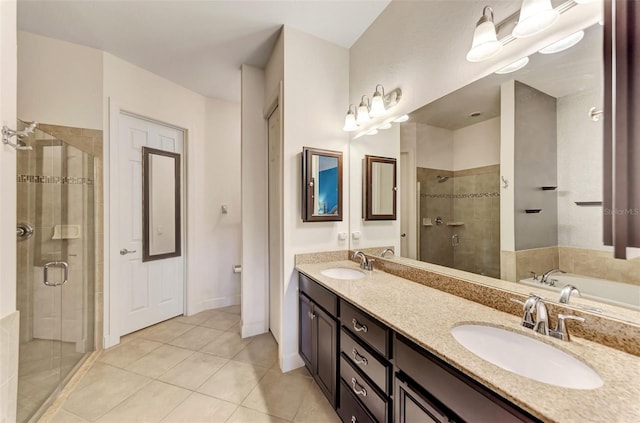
(196, 338)
(150, 404)
(200, 408)
(233, 381)
(278, 394)
(63, 416)
(194, 370)
(233, 309)
(220, 320)
(195, 319)
(226, 345)
(165, 331)
(247, 415)
(237, 328)
(126, 353)
(262, 351)
(315, 408)
(101, 389)
(159, 361)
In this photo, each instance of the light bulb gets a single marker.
(535, 17)
(350, 122)
(363, 112)
(377, 103)
(485, 41)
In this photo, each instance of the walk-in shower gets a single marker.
(55, 266)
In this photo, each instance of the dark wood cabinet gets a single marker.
(318, 334)
(414, 406)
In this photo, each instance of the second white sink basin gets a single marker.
(343, 273)
(526, 356)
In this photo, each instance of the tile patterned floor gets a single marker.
(195, 369)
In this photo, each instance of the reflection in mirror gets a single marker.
(380, 188)
(322, 185)
(508, 179)
(161, 209)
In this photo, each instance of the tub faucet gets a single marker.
(363, 259)
(566, 292)
(545, 275)
(387, 250)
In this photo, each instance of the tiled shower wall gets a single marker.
(469, 205)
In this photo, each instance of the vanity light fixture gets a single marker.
(515, 66)
(350, 120)
(377, 102)
(563, 44)
(374, 131)
(535, 17)
(363, 111)
(485, 41)
(401, 119)
(385, 125)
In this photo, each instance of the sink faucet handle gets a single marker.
(370, 264)
(534, 274)
(527, 308)
(561, 331)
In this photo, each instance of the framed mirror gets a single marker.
(161, 219)
(321, 185)
(379, 188)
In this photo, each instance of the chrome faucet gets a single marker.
(542, 318)
(363, 259)
(387, 250)
(528, 308)
(545, 275)
(561, 332)
(566, 292)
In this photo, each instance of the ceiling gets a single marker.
(569, 72)
(197, 44)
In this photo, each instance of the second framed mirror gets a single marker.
(321, 185)
(380, 188)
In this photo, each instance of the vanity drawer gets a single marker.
(319, 294)
(351, 411)
(364, 358)
(456, 391)
(375, 403)
(366, 328)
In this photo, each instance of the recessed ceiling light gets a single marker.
(402, 118)
(563, 44)
(475, 114)
(515, 66)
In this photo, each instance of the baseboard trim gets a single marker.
(214, 303)
(291, 362)
(255, 328)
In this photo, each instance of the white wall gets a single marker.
(373, 233)
(434, 147)
(9, 320)
(477, 145)
(507, 166)
(316, 86)
(60, 82)
(255, 254)
(213, 174)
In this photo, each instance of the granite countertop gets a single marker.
(426, 316)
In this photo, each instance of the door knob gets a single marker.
(124, 252)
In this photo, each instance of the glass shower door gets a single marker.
(55, 267)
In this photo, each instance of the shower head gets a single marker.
(442, 179)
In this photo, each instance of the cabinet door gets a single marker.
(325, 353)
(305, 332)
(413, 407)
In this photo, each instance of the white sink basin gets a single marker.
(343, 273)
(526, 356)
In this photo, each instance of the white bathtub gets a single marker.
(611, 292)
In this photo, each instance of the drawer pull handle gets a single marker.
(353, 419)
(359, 327)
(359, 390)
(359, 359)
(311, 315)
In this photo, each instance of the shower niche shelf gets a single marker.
(588, 203)
(532, 211)
(549, 188)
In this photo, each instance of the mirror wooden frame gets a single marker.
(367, 207)
(147, 152)
(308, 186)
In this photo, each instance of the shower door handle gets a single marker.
(124, 252)
(65, 272)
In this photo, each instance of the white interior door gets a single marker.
(275, 223)
(153, 291)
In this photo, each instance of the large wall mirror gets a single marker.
(321, 185)
(379, 188)
(161, 204)
(504, 179)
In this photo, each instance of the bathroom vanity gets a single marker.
(380, 348)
